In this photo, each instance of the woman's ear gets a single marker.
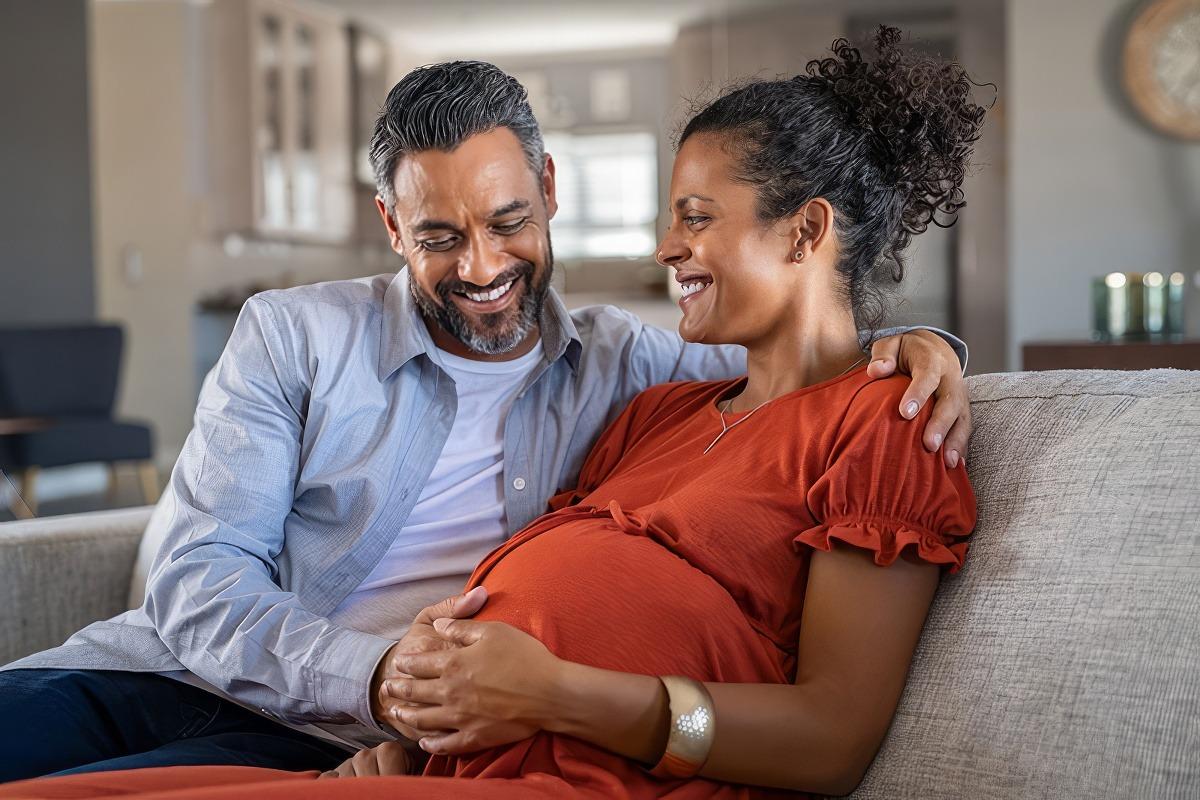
(812, 229)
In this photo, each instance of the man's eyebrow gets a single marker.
(683, 201)
(432, 225)
(508, 208)
(441, 225)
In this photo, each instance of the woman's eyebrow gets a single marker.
(683, 201)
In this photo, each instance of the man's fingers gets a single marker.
(923, 385)
(464, 632)
(957, 439)
(426, 720)
(442, 608)
(415, 691)
(460, 605)
(392, 759)
(406, 731)
(467, 605)
(424, 665)
(364, 763)
(883, 357)
(453, 743)
(945, 414)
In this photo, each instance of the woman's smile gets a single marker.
(693, 284)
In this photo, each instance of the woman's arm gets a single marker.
(860, 626)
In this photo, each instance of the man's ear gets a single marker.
(389, 223)
(548, 188)
(812, 229)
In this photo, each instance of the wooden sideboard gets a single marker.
(1134, 354)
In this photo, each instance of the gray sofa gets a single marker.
(1062, 662)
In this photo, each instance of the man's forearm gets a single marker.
(229, 624)
(703, 362)
(956, 344)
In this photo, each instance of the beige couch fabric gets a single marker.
(60, 574)
(1064, 660)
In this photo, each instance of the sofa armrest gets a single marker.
(59, 574)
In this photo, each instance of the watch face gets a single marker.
(1162, 66)
(1177, 61)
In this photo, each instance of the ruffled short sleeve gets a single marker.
(884, 492)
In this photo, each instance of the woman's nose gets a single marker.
(671, 251)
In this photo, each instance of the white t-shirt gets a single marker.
(459, 517)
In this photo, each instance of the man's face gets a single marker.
(473, 225)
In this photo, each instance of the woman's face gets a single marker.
(737, 274)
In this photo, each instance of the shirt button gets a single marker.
(519, 484)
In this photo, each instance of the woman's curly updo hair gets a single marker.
(887, 143)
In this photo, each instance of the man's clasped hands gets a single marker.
(455, 685)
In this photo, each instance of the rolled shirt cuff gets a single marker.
(344, 675)
(958, 345)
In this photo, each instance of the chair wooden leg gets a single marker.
(110, 491)
(25, 487)
(15, 504)
(148, 475)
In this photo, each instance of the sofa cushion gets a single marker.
(1063, 660)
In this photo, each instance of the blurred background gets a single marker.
(162, 160)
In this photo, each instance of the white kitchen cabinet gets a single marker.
(280, 150)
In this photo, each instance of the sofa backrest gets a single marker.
(1064, 660)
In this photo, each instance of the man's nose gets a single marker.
(483, 263)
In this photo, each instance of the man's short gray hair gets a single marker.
(438, 107)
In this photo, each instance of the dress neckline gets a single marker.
(726, 391)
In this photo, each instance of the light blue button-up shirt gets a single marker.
(313, 438)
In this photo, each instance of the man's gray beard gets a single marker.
(486, 342)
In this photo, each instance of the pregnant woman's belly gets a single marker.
(602, 591)
(596, 594)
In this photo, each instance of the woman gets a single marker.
(733, 593)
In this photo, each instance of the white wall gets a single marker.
(1092, 190)
(149, 66)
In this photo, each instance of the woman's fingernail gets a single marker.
(910, 410)
(937, 441)
(952, 457)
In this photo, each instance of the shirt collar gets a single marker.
(404, 335)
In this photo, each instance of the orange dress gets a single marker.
(665, 560)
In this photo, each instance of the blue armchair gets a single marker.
(58, 386)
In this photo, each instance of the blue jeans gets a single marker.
(57, 721)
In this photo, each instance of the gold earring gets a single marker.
(799, 255)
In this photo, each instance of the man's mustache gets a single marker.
(452, 284)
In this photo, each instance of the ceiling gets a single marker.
(494, 27)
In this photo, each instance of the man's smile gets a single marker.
(488, 302)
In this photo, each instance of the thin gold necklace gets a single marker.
(727, 428)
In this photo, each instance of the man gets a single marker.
(357, 449)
